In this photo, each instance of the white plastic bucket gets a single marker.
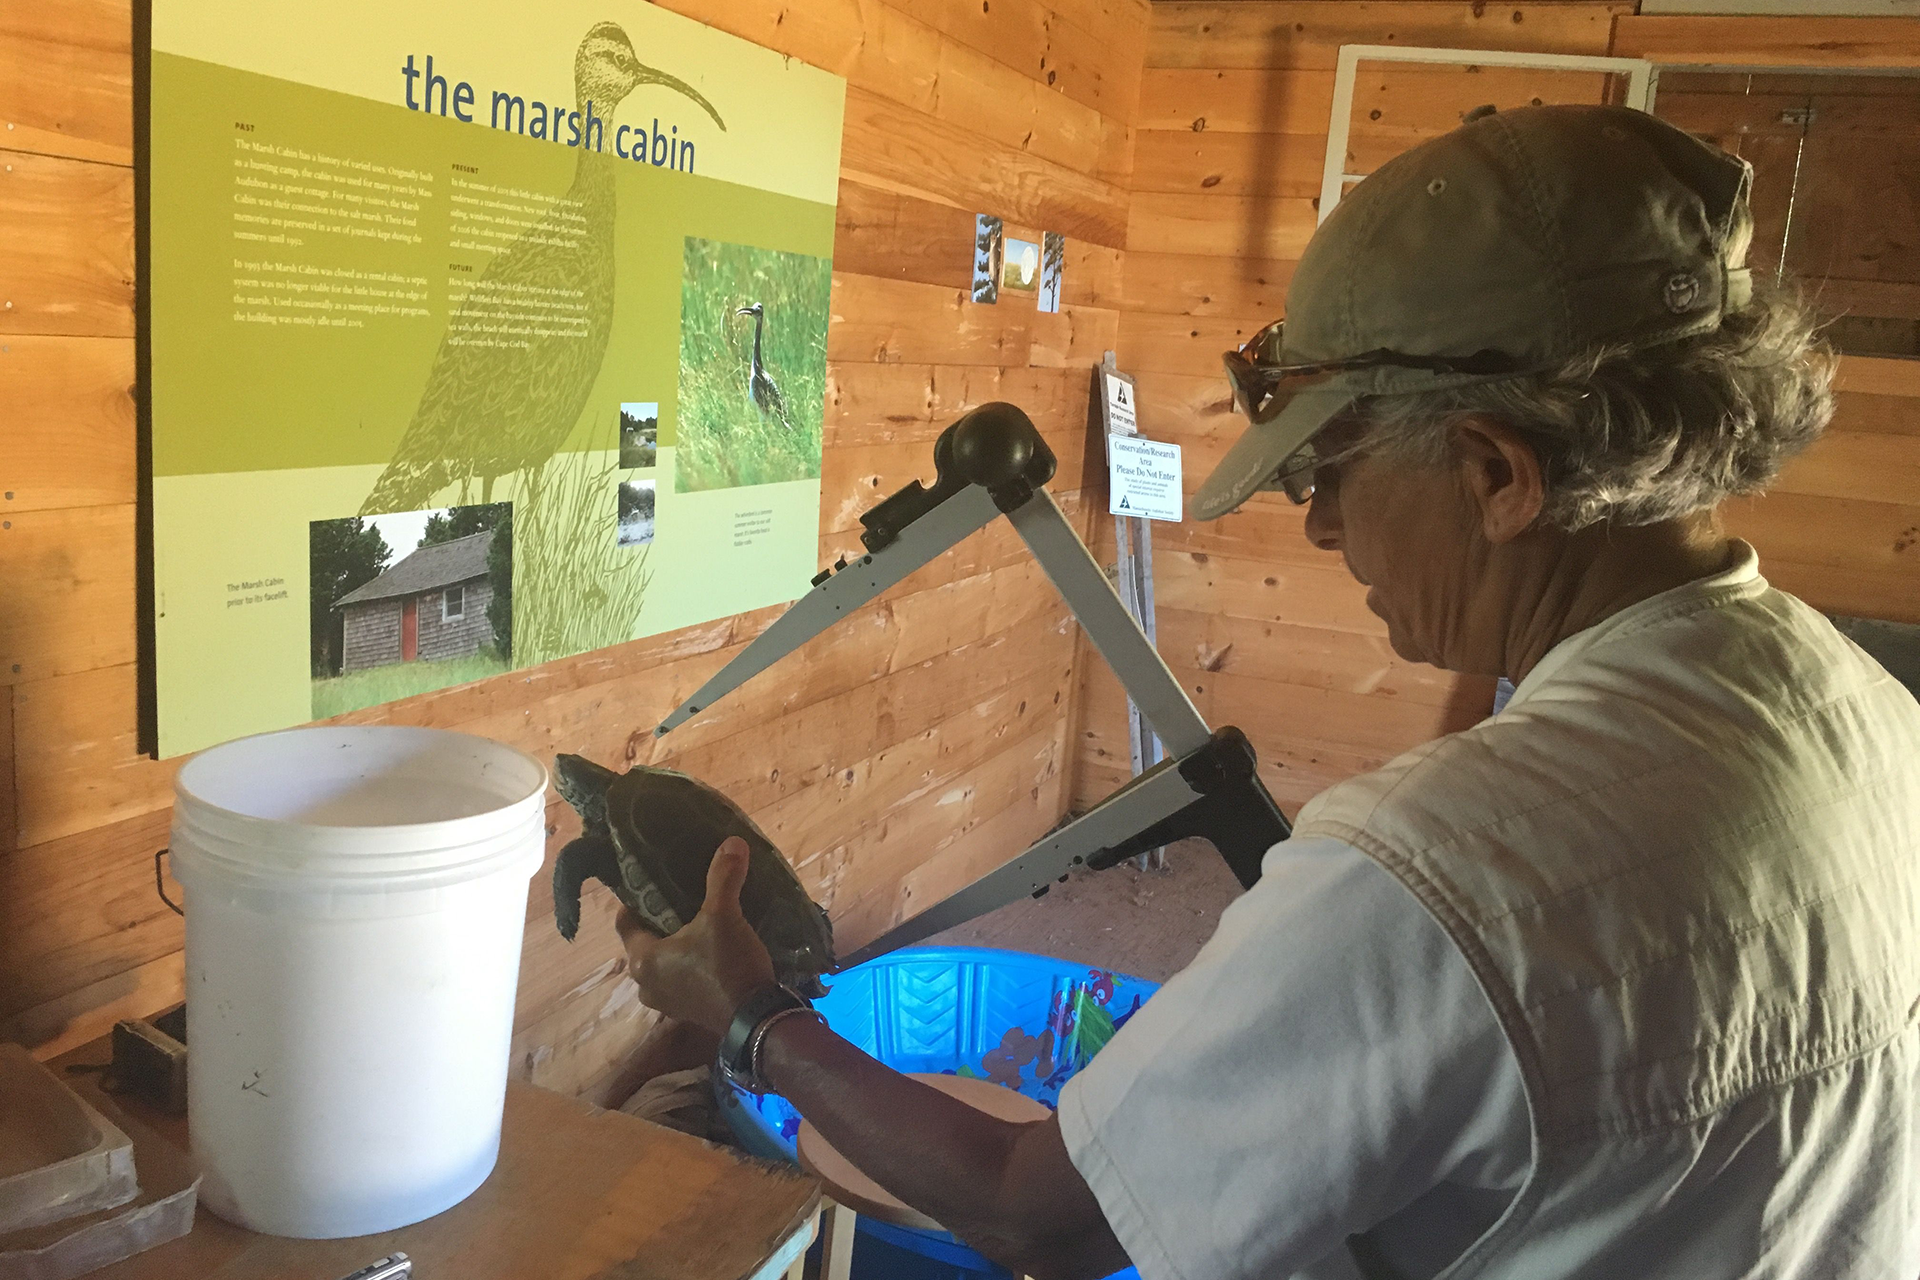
(355, 903)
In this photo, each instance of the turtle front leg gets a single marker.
(588, 858)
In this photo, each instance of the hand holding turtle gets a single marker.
(705, 970)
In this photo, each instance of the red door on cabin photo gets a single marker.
(409, 629)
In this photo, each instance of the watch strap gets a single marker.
(737, 1045)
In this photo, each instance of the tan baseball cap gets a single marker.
(1515, 242)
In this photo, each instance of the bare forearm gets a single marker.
(1005, 1188)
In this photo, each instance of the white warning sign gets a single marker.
(1144, 476)
(1121, 420)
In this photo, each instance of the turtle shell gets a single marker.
(666, 826)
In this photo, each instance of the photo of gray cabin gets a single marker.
(432, 605)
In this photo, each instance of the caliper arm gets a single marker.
(1213, 793)
(993, 462)
(979, 471)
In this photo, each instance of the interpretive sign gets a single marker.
(480, 336)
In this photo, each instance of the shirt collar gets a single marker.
(1743, 569)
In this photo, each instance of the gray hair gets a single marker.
(1637, 436)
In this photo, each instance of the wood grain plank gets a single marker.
(1311, 657)
(897, 237)
(1191, 408)
(822, 816)
(1862, 593)
(1201, 285)
(978, 93)
(1184, 344)
(66, 79)
(1307, 34)
(78, 910)
(883, 50)
(871, 403)
(1730, 116)
(1220, 226)
(69, 1021)
(1758, 41)
(1229, 164)
(1203, 99)
(1874, 375)
(67, 576)
(77, 764)
(887, 145)
(1835, 296)
(1074, 337)
(1099, 70)
(990, 836)
(1302, 766)
(9, 829)
(855, 478)
(1296, 594)
(66, 246)
(1894, 415)
(871, 894)
(1091, 275)
(1881, 539)
(888, 321)
(1411, 100)
(69, 438)
(888, 688)
(1300, 717)
(1856, 464)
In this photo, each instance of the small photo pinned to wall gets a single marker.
(636, 512)
(639, 435)
(1053, 262)
(988, 235)
(1022, 269)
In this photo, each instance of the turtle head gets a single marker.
(583, 784)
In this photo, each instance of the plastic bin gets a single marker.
(1025, 1021)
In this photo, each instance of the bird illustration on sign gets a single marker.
(492, 407)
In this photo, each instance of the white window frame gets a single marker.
(1642, 81)
(445, 614)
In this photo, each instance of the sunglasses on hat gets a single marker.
(1264, 381)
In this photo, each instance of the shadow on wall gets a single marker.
(1264, 199)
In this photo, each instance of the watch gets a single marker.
(739, 1056)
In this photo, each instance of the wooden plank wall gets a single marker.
(1265, 631)
(1234, 104)
(1841, 528)
(924, 739)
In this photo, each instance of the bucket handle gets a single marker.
(160, 884)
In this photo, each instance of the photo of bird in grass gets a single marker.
(753, 366)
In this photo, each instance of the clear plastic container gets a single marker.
(58, 1156)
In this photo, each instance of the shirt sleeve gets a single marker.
(1326, 1061)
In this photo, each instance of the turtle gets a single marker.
(649, 835)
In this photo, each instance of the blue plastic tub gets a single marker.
(1028, 1022)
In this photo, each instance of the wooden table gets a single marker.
(579, 1194)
